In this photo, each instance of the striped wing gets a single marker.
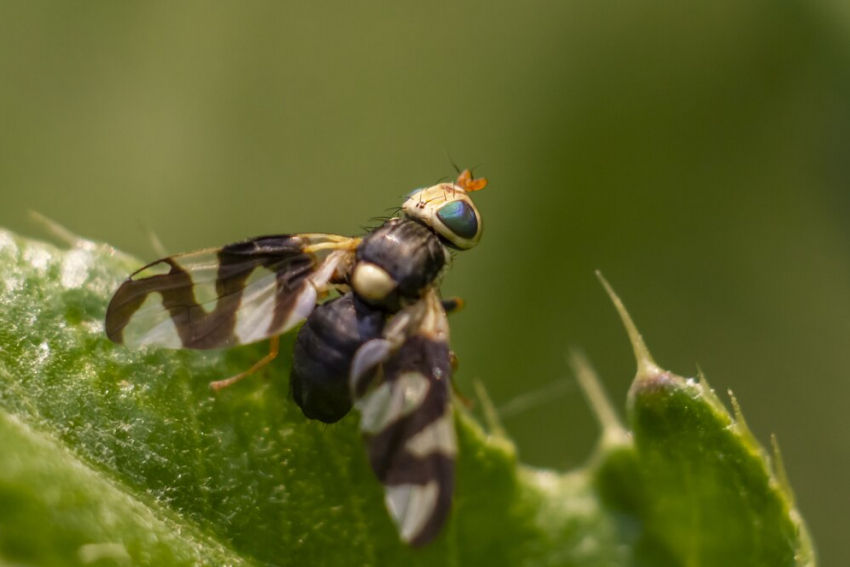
(238, 294)
(407, 422)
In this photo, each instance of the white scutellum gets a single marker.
(371, 281)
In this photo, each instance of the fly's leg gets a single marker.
(274, 346)
(467, 402)
(453, 304)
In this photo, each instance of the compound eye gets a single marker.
(460, 218)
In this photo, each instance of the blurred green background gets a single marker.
(697, 153)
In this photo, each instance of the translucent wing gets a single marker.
(401, 386)
(216, 298)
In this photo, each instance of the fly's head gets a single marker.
(448, 210)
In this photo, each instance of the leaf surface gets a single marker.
(114, 456)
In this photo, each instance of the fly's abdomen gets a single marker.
(396, 263)
(324, 349)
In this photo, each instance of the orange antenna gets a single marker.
(466, 182)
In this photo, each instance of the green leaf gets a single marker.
(113, 456)
(709, 494)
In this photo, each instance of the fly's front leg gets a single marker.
(453, 304)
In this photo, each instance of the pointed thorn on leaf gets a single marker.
(646, 365)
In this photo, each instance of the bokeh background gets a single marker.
(697, 153)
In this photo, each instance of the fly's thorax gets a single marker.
(448, 210)
(396, 263)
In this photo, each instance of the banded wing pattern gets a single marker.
(217, 298)
(406, 418)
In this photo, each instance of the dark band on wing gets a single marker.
(390, 449)
(431, 360)
(197, 327)
(288, 282)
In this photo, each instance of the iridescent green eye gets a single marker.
(460, 218)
